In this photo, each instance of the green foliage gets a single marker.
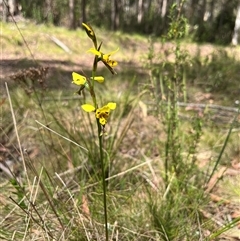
(178, 23)
(218, 69)
(42, 13)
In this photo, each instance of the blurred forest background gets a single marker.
(208, 20)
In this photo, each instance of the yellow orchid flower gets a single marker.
(105, 58)
(82, 80)
(101, 113)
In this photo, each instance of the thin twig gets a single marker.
(16, 132)
(209, 106)
(65, 138)
(60, 44)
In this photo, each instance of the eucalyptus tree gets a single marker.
(237, 27)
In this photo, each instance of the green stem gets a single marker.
(103, 178)
(92, 92)
(184, 82)
(167, 146)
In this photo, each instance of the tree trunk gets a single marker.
(211, 18)
(147, 11)
(13, 7)
(139, 11)
(9, 8)
(83, 18)
(200, 18)
(5, 9)
(72, 19)
(114, 15)
(237, 27)
(164, 9)
(48, 11)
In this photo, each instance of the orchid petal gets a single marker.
(99, 79)
(78, 79)
(112, 105)
(113, 52)
(94, 51)
(88, 108)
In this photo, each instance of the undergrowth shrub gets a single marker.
(176, 209)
